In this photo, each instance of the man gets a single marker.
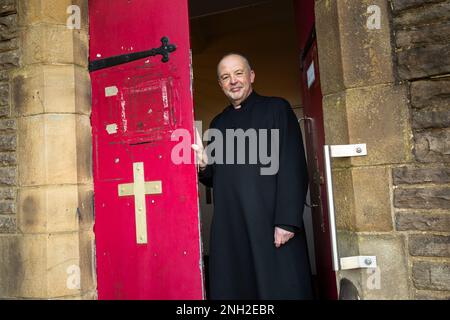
(257, 247)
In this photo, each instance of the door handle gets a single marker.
(345, 263)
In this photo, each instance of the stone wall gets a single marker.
(46, 192)
(389, 87)
(9, 59)
(422, 186)
(363, 103)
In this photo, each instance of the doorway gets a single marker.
(266, 33)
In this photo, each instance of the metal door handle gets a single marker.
(338, 151)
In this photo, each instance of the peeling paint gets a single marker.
(111, 128)
(123, 114)
(111, 91)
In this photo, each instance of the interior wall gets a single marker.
(265, 34)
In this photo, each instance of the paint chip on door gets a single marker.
(111, 128)
(111, 91)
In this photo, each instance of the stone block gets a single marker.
(57, 162)
(61, 149)
(390, 281)
(7, 7)
(4, 94)
(429, 245)
(39, 266)
(71, 297)
(9, 59)
(8, 176)
(430, 275)
(362, 199)
(63, 264)
(7, 207)
(329, 47)
(379, 117)
(8, 27)
(366, 53)
(84, 149)
(344, 201)
(92, 295)
(86, 207)
(409, 221)
(51, 89)
(9, 45)
(83, 97)
(31, 132)
(51, 12)
(8, 159)
(350, 54)
(432, 145)
(8, 142)
(422, 198)
(8, 125)
(431, 118)
(7, 194)
(399, 5)
(372, 204)
(7, 223)
(4, 75)
(48, 209)
(27, 91)
(422, 15)
(335, 119)
(66, 89)
(421, 62)
(54, 44)
(419, 175)
(87, 261)
(430, 93)
(432, 295)
(348, 244)
(5, 111)
(23, 271)
(436, 33)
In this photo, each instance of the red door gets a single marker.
(146, 206)
(325, 279)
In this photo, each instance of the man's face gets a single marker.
(235, 78)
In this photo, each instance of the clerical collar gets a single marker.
(248, 101)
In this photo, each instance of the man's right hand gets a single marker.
(200, 155)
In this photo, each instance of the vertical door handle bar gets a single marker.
(331, 214)
(340, 151)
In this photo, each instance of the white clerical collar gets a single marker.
(238, 107)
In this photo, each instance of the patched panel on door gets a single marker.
(148, 112)
(142, 109)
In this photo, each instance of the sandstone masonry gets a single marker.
(422, 187)
(9, 60)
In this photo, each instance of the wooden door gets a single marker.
(146, 205)
(325, 278)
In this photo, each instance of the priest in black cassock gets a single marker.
(258, 245)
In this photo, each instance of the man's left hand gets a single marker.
(282, 236)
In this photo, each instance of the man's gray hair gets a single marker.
(247, 62)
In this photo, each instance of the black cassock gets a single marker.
(244, 262)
